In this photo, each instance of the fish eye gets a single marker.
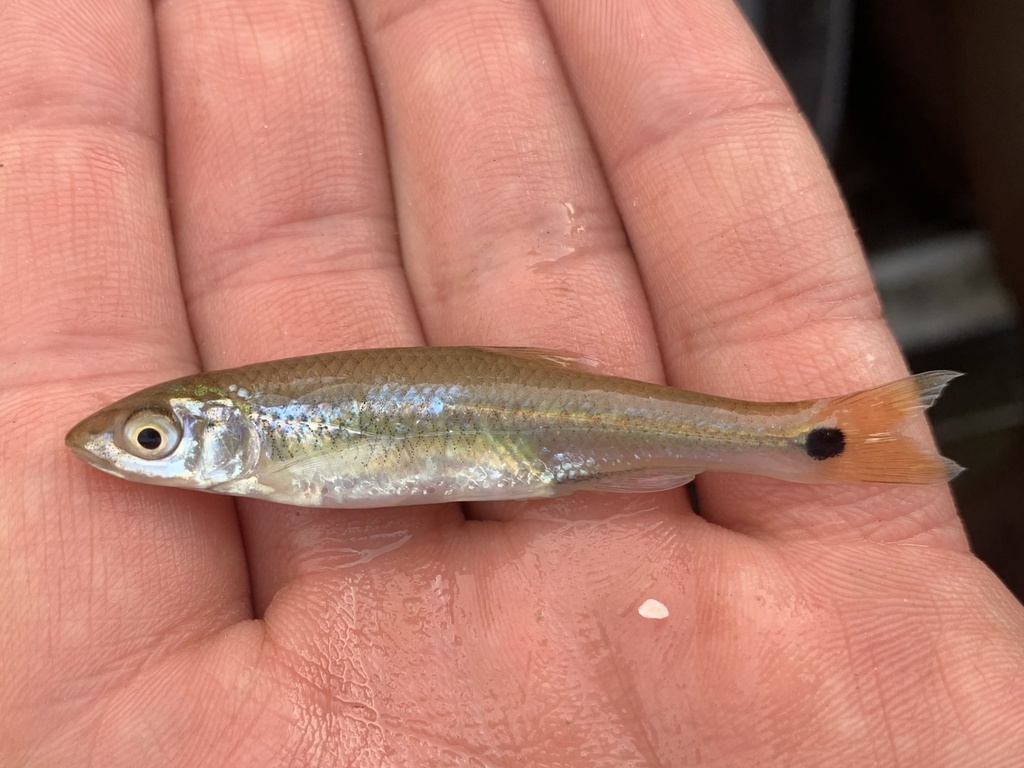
(151, 434)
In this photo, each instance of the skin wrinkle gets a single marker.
(62, 109)
(273, 659)
(731, 160)
(52, 119)
(111, 379)
(95, 718)
(744, 241)
(799, 299)
(949, 690)
(334, 142)
(812, 370)
(644, 745)
(928, 535)
(893, 531)
(860, 689)
(397, 14)
(750, 218)
(655, 138)
(805, 521)
(256, 279)
(72, 160)
(900, 705)
(813, 231)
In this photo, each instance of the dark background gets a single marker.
(920, 106)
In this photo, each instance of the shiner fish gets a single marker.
(375, 428)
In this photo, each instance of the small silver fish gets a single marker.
(375, 428)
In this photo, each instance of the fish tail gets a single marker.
(860, 439)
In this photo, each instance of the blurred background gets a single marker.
(919, 104)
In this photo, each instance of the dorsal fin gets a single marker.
(560, 358)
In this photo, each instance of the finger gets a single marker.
(285, 224)
(755, 277)
(510, 236)
(96, 573)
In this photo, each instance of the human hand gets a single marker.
(515, 145)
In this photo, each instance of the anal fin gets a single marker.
(635, 481)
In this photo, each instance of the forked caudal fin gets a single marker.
(860, 441)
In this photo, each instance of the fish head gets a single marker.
(165, 436)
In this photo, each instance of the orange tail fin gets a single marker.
(868, 447)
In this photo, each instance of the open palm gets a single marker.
(216, 183)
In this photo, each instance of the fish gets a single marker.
(388, 427)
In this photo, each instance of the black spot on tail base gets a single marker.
(825, 443)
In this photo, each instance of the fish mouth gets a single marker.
(87, 440)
